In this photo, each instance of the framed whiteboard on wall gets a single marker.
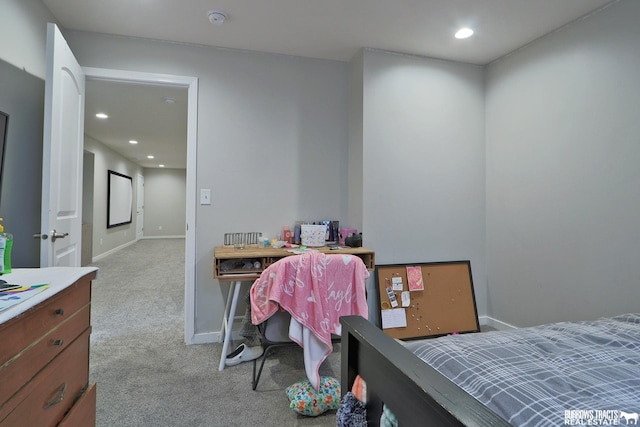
(119, 199)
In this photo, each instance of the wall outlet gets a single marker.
(159, 227)
(101, 240)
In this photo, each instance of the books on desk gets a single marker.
(11, 297)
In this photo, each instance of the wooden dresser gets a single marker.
(44, 351)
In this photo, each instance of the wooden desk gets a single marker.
(223, 255)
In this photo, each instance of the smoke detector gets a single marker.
(217, 17)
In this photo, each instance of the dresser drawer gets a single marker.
(49, 395)
(83, 413)
(20, 369)
(21, 331)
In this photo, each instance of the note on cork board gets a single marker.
(422, 300)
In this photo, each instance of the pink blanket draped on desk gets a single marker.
(316, 289)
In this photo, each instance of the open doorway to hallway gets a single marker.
(179, 164)
(143, 136)
(136, 130)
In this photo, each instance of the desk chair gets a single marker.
(274, 333)
(291, 281)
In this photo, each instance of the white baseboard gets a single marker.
(216, 336)
(206, 338)
(112, 251)
(495, 323)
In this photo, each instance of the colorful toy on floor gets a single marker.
(306, 400)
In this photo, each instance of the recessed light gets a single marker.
(463, 33)
(133, 141)
(102, 116)
(150, 157)
(160, 166)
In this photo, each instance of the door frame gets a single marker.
(191, 84)
(139, 207)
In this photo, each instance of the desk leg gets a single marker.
(229, 315)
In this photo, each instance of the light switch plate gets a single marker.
(205, 196)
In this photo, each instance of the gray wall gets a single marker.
(273, 136)
(165, 202)
(423, 157)
(23, 29)
(272, 140)
(355, 174)
(106, 240)
(563, 181)
(22, 70)
(22, 97)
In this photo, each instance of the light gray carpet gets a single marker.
(147, 376)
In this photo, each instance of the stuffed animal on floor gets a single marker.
(306, 400)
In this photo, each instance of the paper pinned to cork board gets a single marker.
(394, 318)
(445, 305)
(414, 277)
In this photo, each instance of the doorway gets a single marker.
(191, 86)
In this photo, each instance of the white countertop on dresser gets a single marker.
(58, 279)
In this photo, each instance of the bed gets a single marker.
(569, 373)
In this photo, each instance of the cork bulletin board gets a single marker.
(423, 300)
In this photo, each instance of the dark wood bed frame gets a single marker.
(416, 393)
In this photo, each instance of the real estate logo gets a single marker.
(599, 417)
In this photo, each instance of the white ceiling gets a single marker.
(138, 112)
(327, 29)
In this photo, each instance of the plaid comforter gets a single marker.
(570, 373)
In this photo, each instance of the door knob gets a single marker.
(55, 235)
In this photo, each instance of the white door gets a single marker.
(61, 224)
(139, 207)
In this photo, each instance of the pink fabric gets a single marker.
(316, 289)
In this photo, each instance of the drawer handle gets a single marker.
(58, 396)
(58, 312)
(57, 343)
